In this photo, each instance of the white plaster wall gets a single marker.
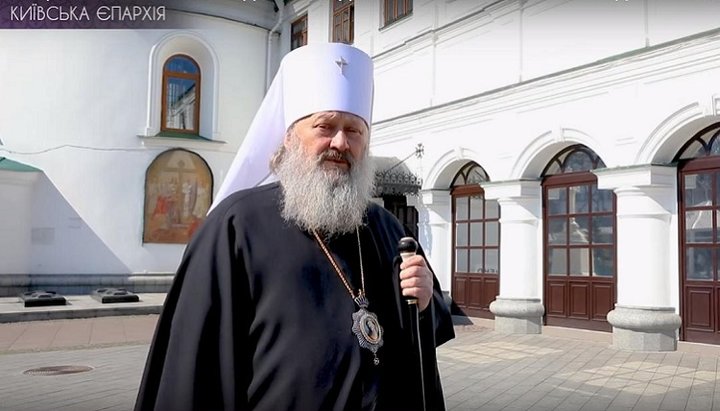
(668, 20)
(614, 109)
(460, 48)
(60, 241)
(319, 15)
(483, 54)
(403, 84)
(257, 13)
(16, 197)
(79, 102)
(560, 34)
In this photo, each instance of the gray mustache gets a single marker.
(335, 156)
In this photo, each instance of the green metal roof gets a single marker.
(9, 165)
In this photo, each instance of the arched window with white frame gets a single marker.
(181, 95)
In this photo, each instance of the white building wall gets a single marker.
(508, 87)
(557, 34)
(616, 109)
(16, 197)
(621, 117)
(60, 240)
(447, 51)
(77, 102)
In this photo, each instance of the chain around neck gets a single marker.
(361, 292)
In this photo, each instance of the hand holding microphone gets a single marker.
(416, 280)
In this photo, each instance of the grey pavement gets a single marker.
(574, 370)
(481, 369)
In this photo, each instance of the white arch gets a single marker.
(192, 44)
(671, 133)
(441, 173)
(536, 155)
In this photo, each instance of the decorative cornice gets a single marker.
(698, 53)
(193, 144)
(645, 175)
(512, 189)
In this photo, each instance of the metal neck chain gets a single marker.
(360, 299)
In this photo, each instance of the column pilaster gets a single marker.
(518, 308)
(434, 232)
(644, 317)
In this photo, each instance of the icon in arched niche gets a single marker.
(178, 194)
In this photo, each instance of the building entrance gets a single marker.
(579, 242)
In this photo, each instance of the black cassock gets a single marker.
(257, 319)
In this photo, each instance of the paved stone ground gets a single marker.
(76, 333)
(111, 385)
(481, 370)
(484, 370)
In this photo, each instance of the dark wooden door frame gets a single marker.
(593, 321)
(696, 166)
(488, 283)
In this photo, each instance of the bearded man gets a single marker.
(290, 296)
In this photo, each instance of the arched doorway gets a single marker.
(476, 244)
(579, 242)
(699, 184)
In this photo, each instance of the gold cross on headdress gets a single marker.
(341, 63)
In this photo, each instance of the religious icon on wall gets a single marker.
(178, 194)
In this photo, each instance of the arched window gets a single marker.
(579, 241)
(705, 143)
(470, 174)
(572, 160)
(181, 95)
(178, 194)
(476, 243)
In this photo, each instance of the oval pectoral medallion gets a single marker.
(368, 331)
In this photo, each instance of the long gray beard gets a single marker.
(330, 201)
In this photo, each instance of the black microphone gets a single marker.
(407, 247)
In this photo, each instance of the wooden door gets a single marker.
(700, 254)
(579, 251)
(476, 252)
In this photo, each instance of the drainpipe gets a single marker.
(281, 8)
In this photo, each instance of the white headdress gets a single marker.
(313, 78)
